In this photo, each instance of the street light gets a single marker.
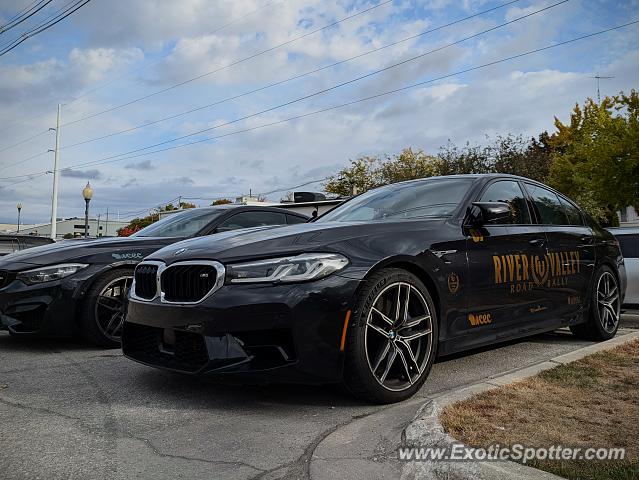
(19, 207)
(87, 193)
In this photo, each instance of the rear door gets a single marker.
(503, 295)
(570, 261)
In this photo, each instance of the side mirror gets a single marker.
(481, 213)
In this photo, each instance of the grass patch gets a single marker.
(593, 402)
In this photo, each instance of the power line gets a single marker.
(289, 79)
(177, 49)
(99, 87)
(30, 11)
(328, 89)
(223, 67)
(228, 65)
(45, 26)
(368, 98)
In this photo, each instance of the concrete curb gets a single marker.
(426, 431)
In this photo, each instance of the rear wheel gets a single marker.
(393, 339)
(104, 309)
(605, 308)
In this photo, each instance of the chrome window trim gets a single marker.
(162, 267)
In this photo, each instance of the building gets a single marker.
(75, 227)
(310, 208)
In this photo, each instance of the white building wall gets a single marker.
(75, 226)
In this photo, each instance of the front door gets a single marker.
(505, 297)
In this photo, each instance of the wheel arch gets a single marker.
(82, 289)
(410, 265)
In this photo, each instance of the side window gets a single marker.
(548, 206)
(252, 219)
(293, 219)
(7, 246)
(629, 245)
(509, 192)
(572, 212)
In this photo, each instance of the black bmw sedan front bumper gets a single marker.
(45, 309)
(248, 332)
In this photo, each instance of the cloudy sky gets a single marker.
(218, 57)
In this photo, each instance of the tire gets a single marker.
(372, 372)
(605, 308)
(104, 308)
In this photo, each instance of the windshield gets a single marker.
(430, 198)
(181, 225)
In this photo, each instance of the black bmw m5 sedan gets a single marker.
(370, 292)
(81, 286)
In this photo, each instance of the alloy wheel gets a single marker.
(398, 337)
(110, 307)
(608, 301)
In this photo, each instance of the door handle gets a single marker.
(586, 239)
(537, 242)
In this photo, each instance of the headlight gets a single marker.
(48, 274)
(308, 266)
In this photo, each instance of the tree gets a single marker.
(221, 201)
(138, 224)
(359, 177)
(408, 165)
(596, 156)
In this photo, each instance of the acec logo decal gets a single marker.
(477, 319)
(523, 272)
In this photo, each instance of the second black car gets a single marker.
(80, 286)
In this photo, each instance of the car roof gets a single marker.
(264, 208)
(624, 230)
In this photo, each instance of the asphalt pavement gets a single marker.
(71, 411)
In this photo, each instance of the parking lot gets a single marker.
(72, 411)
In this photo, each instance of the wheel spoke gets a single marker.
(112, 322)
(415, 321)
(379, 330)
(389, 364)
(611, 311)
(384, 317)
(398, 305)
(381, 356)
(111, 303)
(406, 302)
(403, 359)
(411, 356)
(413, 336)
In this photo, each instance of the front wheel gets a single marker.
(605, 308)
(104, 308)
(393, 339)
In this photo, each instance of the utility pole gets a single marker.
(97, 233)
(598, 78)
(106, 227)
(56, 177)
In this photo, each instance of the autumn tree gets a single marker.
(360, 176)
(221, 201)
(139, 223)
(596, 159)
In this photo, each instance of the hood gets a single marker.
(273, 241)
(102, 250)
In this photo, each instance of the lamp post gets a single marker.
(19, 207)
(87, 193)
